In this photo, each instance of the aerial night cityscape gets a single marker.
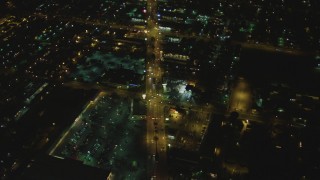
(160, 89)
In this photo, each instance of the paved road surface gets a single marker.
(156, 141)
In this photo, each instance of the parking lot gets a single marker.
(186, 128)
(105, 136)
(96, 65)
